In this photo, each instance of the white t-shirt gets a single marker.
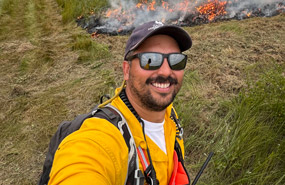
(155, 131)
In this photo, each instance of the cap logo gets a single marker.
(156, 25)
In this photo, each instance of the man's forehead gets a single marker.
(158, 41)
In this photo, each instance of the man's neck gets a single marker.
(146, 114)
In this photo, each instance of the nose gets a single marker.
(164, 70)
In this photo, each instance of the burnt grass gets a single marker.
(45, 79)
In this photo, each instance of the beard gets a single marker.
(147, 100)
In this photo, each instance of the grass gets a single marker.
(88, 49)
(251, 148)
(231, 102)
(75, 8)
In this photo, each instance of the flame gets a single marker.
(95, 35)
(151, 6)
(212, 9)
(183, 6)
(186, 12)
(165, 5)
(139, 5)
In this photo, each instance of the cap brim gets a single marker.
(181, 36)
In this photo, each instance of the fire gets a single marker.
(139, 5)
(113, 13)
(151, 6)
(213, 8)
(125, 16)
(183, 6)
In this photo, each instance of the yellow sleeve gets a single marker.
(95, 154)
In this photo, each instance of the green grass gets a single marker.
(254, 126)
(233, 26)
(89, 50)
(7, 6)
(71, 9)
(247, 134)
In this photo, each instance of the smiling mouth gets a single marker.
(162, 82)
(161, 85)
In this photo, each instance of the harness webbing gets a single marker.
(149, 172)
(143, 158)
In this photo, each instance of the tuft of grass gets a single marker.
(232, 26)
(89, 50)
(7, 6)
(72, 9)
(24, 65)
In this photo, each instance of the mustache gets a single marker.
(161, 79)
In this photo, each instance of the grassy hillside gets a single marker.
(232, 101)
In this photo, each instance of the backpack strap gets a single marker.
(110, 113)
(147, 167)
(150, 174)
(114, 116)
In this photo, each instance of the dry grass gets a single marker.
(52, 71)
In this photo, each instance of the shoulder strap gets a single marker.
(114, 116)
(109, 113)
(150, 174)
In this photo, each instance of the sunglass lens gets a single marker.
(151, 61)
(177, 61)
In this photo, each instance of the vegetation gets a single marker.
(232, 101)
(75, 8)
(250, 143)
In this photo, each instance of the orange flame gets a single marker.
(212, 9)
(151, 6)
(183, 5)
(139, 5)
(95, 35)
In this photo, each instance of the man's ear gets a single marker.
(126, 69)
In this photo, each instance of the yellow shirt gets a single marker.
(97, 153)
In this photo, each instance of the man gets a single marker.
(153, 69)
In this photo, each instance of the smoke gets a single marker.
(239, 8)
(124, 15)
(179, 9)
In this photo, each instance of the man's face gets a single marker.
(153, 89)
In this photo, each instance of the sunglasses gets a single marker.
(153, 60)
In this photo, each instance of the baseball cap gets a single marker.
(146, 30)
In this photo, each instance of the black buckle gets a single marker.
(139, 177)
(149, 180)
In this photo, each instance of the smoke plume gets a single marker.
(124, 15)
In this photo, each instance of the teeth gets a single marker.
(159, 85)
